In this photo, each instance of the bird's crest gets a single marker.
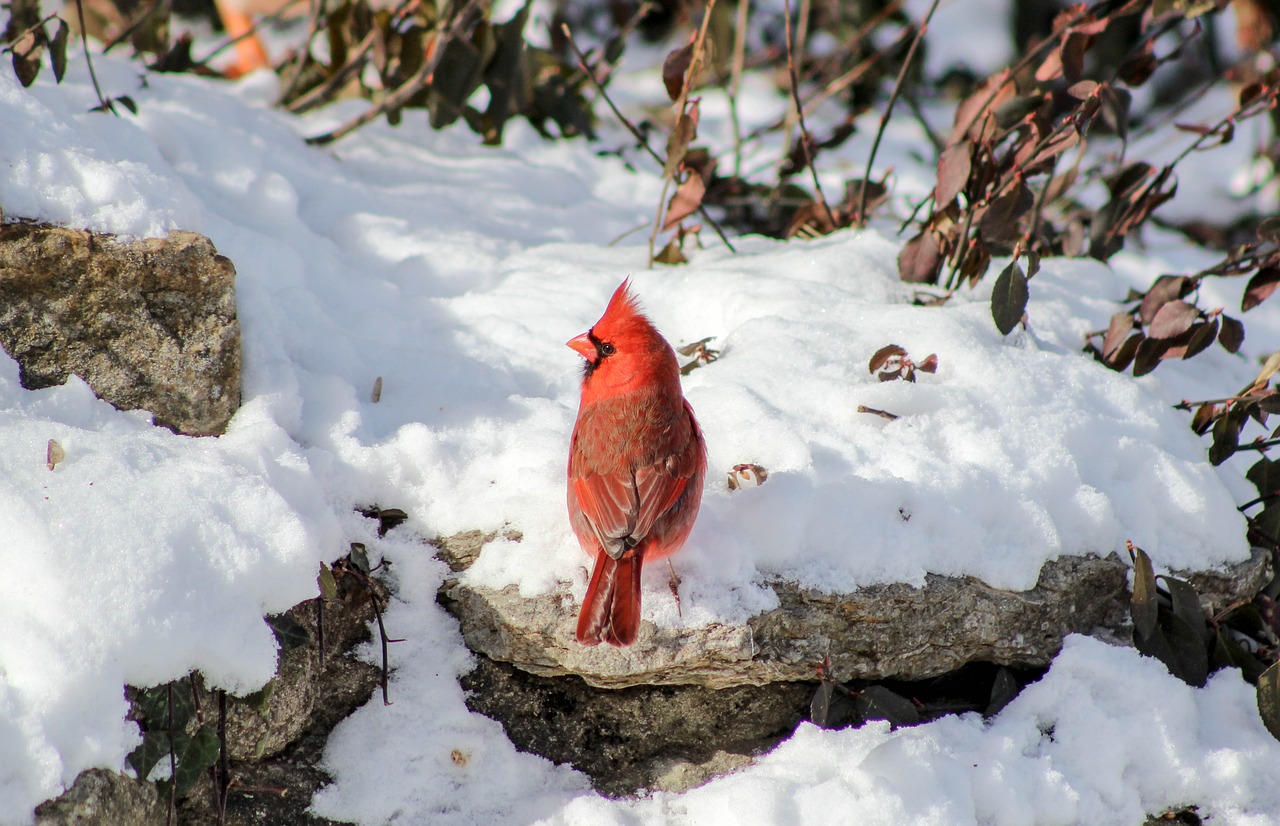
(623, 312)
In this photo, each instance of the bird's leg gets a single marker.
(675, 588)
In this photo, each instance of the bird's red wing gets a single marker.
(609, 504)
(618, 508)
(659, 487)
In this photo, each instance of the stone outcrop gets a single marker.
(148, 324)
(880, 631)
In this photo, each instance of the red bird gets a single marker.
(636, 465)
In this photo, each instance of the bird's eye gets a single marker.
(607, 349)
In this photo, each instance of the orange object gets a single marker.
(237, 20)
(637, 461)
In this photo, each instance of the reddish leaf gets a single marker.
(1083, 89)
(1148, 356)
(930, 364)
(1123, 357)
(1232, 334)
(1251, 93)
(1117, 331)
(1167, 288)
(1270, 403)
(686, 129)
(1260, 287)
(953, 173)
(1073, 49)
(674, 68)
(1050, 67)
(1202, 336)
(1203, 418)
(999, 222)
(1173, 319)
(686, 201)
(971, 114)
(882, 356)
(920, 259)
(1115, 109)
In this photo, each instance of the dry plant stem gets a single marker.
(224, 764)
(636, 133)
(172, 813)
(138, 17)
(735, 83)
(321, 94)
(790, 118)
(962, 250)
(695, 66)
(861, 215)
(294, 73)
(806, 140)
(420, 80)
(103, 103)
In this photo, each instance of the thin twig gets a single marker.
(884, 414)
(139, 17)
(295, 72)
(631, 127)
(806, 140)
(861, 215)
(735, 83)
(172, 813)
(318, 95)
(103, 103)
(695, 66)
(224, 759)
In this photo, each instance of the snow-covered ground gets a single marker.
(455, 273)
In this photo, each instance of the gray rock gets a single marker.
(148, 324)
(99, 797)
(645, 738)
(880, 631)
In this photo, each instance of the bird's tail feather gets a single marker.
(611, 609)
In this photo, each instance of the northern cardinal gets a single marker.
(636, 465)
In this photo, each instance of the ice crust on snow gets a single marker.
(456, 272)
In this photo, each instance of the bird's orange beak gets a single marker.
(582, 344)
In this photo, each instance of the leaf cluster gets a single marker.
(982, 687)
(1171, 625)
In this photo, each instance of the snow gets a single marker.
(455, 273)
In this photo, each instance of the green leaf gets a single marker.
(58, 50)
(507, 76)
(360, 557)
(1009, 298)
(289, 632)
(1186, 605)
(820, 705)
(1269, 699)
(1227, 653)
(1268, 521)
(1265, 475)
(260, 699)
(1142, 603)
(328, 585)
(154, 746)
(1003, 689)
(1226, 437)
(876, 702)
(199, 753)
